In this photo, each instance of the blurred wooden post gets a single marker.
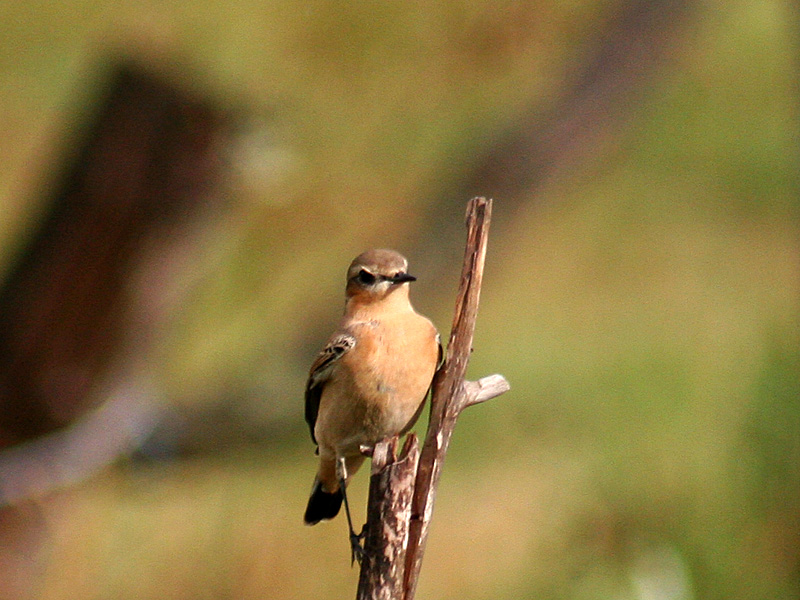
(141, 172)
(389, 516)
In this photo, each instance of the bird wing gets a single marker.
(321, 370)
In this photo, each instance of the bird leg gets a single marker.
(356, 549)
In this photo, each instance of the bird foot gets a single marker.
(357, 551)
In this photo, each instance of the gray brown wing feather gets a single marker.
(321, 370)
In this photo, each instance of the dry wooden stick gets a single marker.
(451, 394)
(401, 492)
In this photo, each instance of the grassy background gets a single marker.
(642, 301)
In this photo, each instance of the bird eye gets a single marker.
(366, 277)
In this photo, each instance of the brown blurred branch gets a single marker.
(556, 137)
(608, 83)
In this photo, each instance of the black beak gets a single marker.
(402, 278)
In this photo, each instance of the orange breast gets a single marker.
(379, 387)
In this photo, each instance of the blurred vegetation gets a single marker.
(642, 301)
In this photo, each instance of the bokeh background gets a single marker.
(641, 293)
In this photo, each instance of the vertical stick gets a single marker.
(401, 491)
(449, 393)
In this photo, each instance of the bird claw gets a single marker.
(357, 551)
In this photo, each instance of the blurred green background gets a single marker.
(641, 294)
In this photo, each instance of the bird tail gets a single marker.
(322, 505)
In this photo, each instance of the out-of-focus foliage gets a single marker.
(643, 303)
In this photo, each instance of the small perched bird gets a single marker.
(371, 379)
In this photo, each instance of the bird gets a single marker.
(370, 380)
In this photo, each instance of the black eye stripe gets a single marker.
(366, 277)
